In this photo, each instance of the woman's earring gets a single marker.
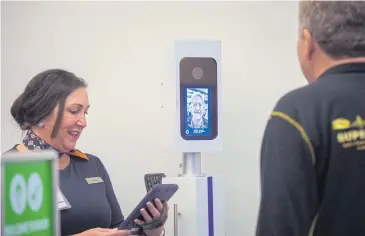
(40, 125)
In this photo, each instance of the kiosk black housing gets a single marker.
(199, 74)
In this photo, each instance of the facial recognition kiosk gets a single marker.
(198, 206)
(29, 192)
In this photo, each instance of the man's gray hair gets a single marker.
(337, 26)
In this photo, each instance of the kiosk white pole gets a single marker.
(191, 164)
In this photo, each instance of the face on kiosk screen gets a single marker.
(197, 112)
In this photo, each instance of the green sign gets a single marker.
(28, 198)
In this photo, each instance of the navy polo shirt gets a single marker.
(313, 159)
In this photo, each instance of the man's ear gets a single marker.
(308, 44)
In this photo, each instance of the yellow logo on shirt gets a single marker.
(358, 123)
(340, 124)
(352, 133)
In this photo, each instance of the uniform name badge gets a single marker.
(62, 201)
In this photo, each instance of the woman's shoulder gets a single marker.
(13, 149)
(97, 163)
(94, 159)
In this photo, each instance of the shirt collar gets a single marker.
(79, 154)
(358, 67)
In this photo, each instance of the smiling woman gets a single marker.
(53, 106)
(52, 110)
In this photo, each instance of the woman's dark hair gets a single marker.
(41, 96)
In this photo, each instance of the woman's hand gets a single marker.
(104, 232)
(155, 214)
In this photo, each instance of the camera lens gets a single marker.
(197, 73)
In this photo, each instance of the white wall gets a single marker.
(125, 50)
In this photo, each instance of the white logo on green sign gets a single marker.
(35, 192)
(18, 194)
(24, 193)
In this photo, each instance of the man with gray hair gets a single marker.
(313, 150)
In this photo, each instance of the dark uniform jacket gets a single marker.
(313, 159)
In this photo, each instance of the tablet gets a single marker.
(161, 191)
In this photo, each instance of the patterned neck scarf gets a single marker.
(35, 143)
